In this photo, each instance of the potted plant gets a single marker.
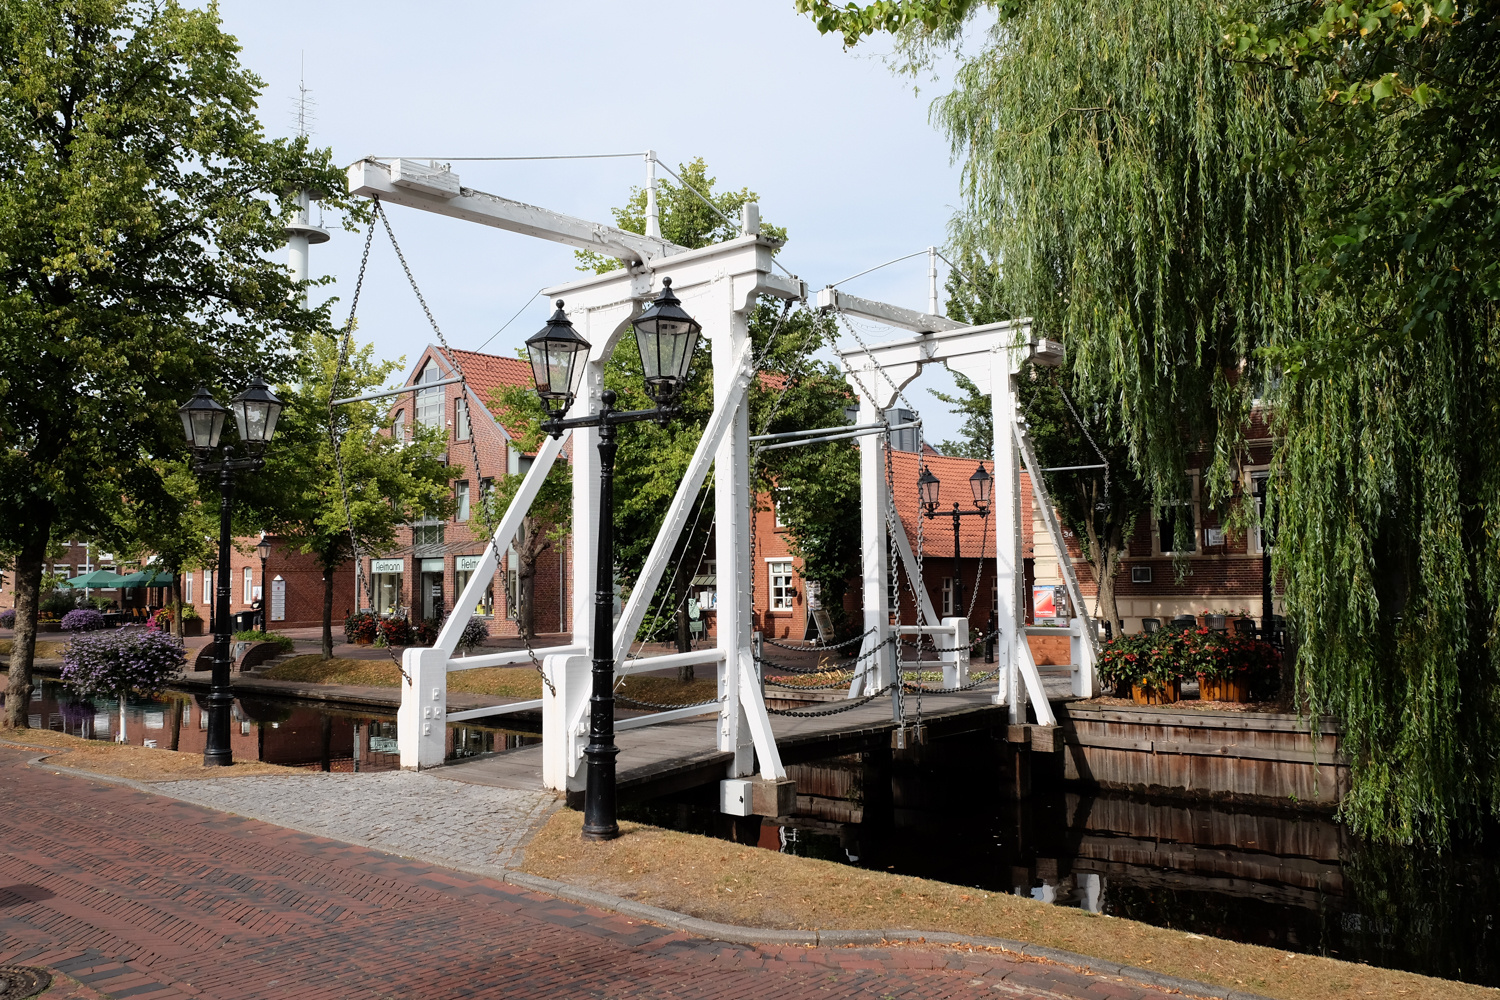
(360, 628)
(395, 631)
(192, 622)
(1233, 667)
(1122, 661)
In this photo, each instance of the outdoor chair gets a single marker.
(1149, 625)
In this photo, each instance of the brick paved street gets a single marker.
(136, 895)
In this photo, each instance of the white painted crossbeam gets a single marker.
(641, 721)
(416, 185)
(510, 657)
(693, 658)
(534, 705)
(884, 312)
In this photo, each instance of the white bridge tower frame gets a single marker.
(720, 286)
(991, 356)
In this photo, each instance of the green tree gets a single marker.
(550, 517)
(141, 210)
(387, 483)
(1387, 485)
(166, 517)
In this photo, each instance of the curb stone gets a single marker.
(751, 936)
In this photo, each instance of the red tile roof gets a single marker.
(975, 534)
(487, 372)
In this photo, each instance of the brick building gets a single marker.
(432, 561)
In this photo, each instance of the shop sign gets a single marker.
(466, 564)
(387, 565)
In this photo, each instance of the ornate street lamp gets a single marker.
(256, 411)
(666, 337)
(264, 551)
(555, 352)
(979, 485)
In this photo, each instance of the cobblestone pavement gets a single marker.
(403, 812)
(136, 895)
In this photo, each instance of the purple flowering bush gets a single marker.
(82, 620)
(474, 634)
(113, 663)
(8, 618)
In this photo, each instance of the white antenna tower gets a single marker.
(306, 108)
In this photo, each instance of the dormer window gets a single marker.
(430, 401)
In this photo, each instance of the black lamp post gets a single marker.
(928, 486)
(666, 337)
(264, 551)
(256, 411)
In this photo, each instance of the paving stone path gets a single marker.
(474, 827)
(138, 895)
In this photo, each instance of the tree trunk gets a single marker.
(684, 637)
(1104, 560)
(175, 723)
(23, 646)
(530, 544)
(327, 614)
(177, 605)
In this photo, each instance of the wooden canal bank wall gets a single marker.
(1222, 756)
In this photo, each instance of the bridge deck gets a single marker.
(660, 759)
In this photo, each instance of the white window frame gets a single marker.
(208, 587)
(776, 496)
(781, 597)
(948, 611)
(428, 409)
(461, 500)
(249, 576)
(1193, 512)
(1253, 477)
(187, 588)
(462, 427)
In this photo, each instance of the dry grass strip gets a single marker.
(46, 649)
(503, 682)
(735, 884)
(121, 760)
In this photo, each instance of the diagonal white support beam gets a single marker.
(1054, 529)
(416, 185)
(884, 312)
(682, 504)
(505, 533)
(909, 561)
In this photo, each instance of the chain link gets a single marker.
(848, 707)
(816, 647)
(632, 703)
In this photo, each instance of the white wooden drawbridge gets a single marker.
(720, 286)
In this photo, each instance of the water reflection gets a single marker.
(271, 730)
(1293, 881)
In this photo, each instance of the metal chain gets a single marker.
(814, 647)
(360, 586)
(973, 683)
(847, 707)
(631, 702)
(464, 393)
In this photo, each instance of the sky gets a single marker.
(838, 148)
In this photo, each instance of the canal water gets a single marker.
(1296, 882)
(1283, 879)
(276, 731)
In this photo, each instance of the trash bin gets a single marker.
(244, 621)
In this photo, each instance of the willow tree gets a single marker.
(1389, 520)
(1187, 224)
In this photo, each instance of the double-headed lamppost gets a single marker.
(666, 337)
(979, 485)
(256, 411)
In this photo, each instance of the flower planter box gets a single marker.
(364, 642)
(49, 626)
(192, 626)
(1223, 689)
(1143, 695)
